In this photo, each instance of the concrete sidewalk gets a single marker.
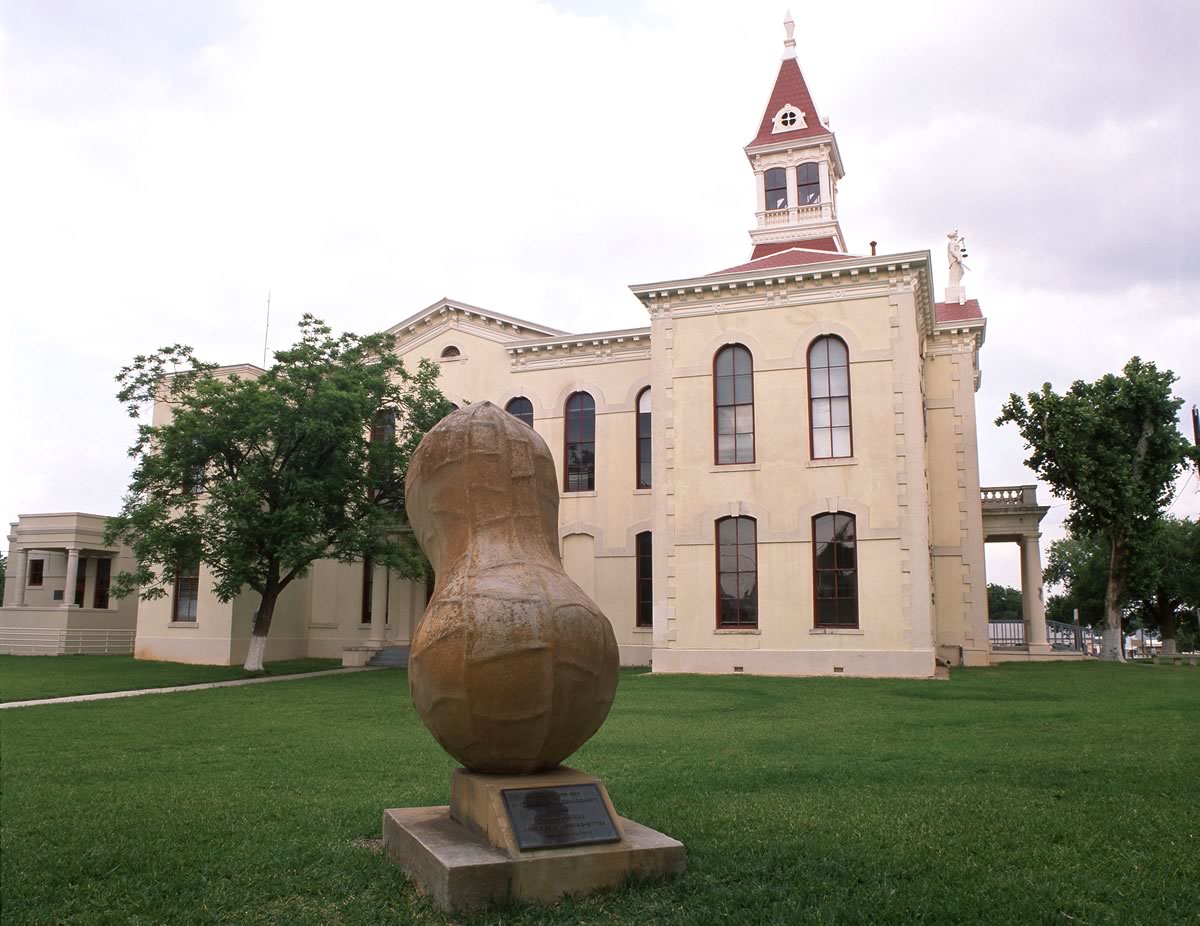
(108, 695)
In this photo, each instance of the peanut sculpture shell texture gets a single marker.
(512, 667)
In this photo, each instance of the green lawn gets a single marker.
(24, 678)
(1021, 794)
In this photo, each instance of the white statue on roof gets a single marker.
(956, 250)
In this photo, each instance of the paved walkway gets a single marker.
(108, 695)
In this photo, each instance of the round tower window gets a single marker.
(788, 118)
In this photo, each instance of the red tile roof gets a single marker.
(774, 247)
(789, 88)
(792, 257)
(953, 312)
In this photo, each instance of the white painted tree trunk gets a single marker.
(254, 655)
(1112, 646)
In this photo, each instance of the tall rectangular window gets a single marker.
(103, 582)
(368, 589)
(737, 572)
(808, 184)
(645, 580)
(835, 570)
(37, 572)
(580, 434)
(775, 188)
(829, 399)
(644, 439)
(733, 404)
(187, 591)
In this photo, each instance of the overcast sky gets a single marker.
(163, 165)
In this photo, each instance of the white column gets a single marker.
(72, 576)
(378, 605)
(826, 188)
(21, 577)
(1032, 607)
(792, 193)
(760, 189)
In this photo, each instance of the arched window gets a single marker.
(808, 184)
(645, 579)
(450, 351)
(829, 399)
(737, 572)
(521, 409)
(733, 401)
(579, 470)
(643, 439)
(776, 188)
(835, 571)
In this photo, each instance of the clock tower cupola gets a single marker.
(796, 166)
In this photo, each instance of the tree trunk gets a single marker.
(1165, 605)
(262, 624)
(1113, 647)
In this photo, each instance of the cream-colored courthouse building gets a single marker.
(777, 474)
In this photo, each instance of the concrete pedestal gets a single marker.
(465, 855)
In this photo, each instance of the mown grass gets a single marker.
(26, 678)
(1021, 794)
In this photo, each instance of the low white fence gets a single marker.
(41, 641)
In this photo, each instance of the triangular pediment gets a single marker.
(450, 313)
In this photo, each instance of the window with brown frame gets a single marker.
(521, 409)
(808, 184)
(187, 591)
(835, 571)
(37, 572)
(80, 582)
(644, 440)
(737, 573)
(383, 428)
(775, 187)
(645, 579)
(733, 405)
(368, 589)
(103, 582)
(829, 399)
(579, 468)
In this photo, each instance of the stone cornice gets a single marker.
(581, 349)
(841, 278)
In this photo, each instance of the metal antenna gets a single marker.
(267, 332)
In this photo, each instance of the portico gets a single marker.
(57, 592)
(1011, 514)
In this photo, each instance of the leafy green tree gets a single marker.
(1166, 588)
(1004, 603)
(259, 476)
(1112, 449)
(1078, 563)
(1162, 572)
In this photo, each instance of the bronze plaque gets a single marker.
(565, 815)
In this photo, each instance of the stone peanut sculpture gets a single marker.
(512, 666)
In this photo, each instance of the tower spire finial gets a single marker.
(789, 43)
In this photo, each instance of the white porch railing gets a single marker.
(31, 641)
(1008, 496)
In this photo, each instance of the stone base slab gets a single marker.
(460, 870)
